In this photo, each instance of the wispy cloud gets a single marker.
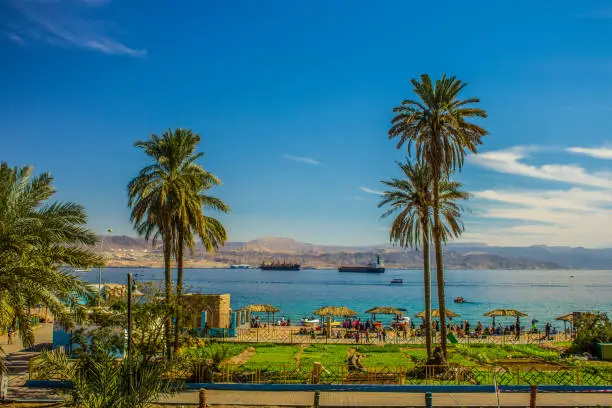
(15, 38)
(602, 13)
(578, 215)
(370, 191)
(307, 160)
(63, 23)
(509, 161)
(597, 152)
(575, 216)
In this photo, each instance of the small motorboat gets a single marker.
(310, 321)
(459, 300)
(397, 281)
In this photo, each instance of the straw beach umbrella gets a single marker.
(567, 318)
(436, 313)
(263, 309)
(388, 310)
(503, 313)
(330, 311)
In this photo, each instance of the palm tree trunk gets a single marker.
(439, 263)
(427, 285)
(168, 281)
(179, 286)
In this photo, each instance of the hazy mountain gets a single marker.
(130, 251)
(567, 257)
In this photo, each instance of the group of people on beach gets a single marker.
(257, 324)
(480, 331)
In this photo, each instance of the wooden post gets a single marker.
(317, 368)
(532, 396)
(428, 400)
(317, 399)
(202, 398)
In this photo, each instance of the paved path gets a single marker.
(17, 363)
(378, 399)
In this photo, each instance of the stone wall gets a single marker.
(217, 308)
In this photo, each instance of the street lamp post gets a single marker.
(129, 328)
(100, 268)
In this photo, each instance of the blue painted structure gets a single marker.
(361, 387)
(220, 332)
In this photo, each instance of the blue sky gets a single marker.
(293, 101)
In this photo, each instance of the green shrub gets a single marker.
(591, 328)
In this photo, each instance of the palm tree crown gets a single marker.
(412, 197)
(39, 242)
(437, 125)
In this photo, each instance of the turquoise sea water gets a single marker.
(542, 294)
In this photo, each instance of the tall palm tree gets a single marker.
(411, 198)
(437, 124)
(40, 241)
(153, 196)
(167, 198)
(189, 219)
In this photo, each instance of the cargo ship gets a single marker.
(279, 266)
(376, 266)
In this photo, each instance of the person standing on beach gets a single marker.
(357, 336)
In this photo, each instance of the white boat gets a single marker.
(312, 321)
(240, 266)
(82, 270)
(397, 280)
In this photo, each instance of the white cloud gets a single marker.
(15, 38)
(575, 217)
(509, 161)
(370, 191)
(63, 24)
(307, 160)
(598, 152)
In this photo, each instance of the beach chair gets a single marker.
(451, 337)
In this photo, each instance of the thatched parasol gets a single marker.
(263, 309)
(339, 311)
(504, 313)
(566, 318)
(384, 310)
(329, 311)
(436, 313)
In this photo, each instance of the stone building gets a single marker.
(206, 311)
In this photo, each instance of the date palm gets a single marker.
(411, 199)
(189, 219)
(40, 241)
(438, 126)
(167, 199)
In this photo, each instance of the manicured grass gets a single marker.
(391, 355)
(328, 355)
(488, 354)
(270, 354)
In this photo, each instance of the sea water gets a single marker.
(542, 294)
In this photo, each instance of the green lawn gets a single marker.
(272, 354)
(391, 355)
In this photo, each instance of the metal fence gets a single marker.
(292, 335)
(427, 375)
(417, 374)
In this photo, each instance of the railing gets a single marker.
(428, 375)
(417, 374)
(291, 335)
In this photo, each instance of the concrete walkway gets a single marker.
(245, 399)
(17, 362)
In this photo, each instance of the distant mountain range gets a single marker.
(130, 251)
